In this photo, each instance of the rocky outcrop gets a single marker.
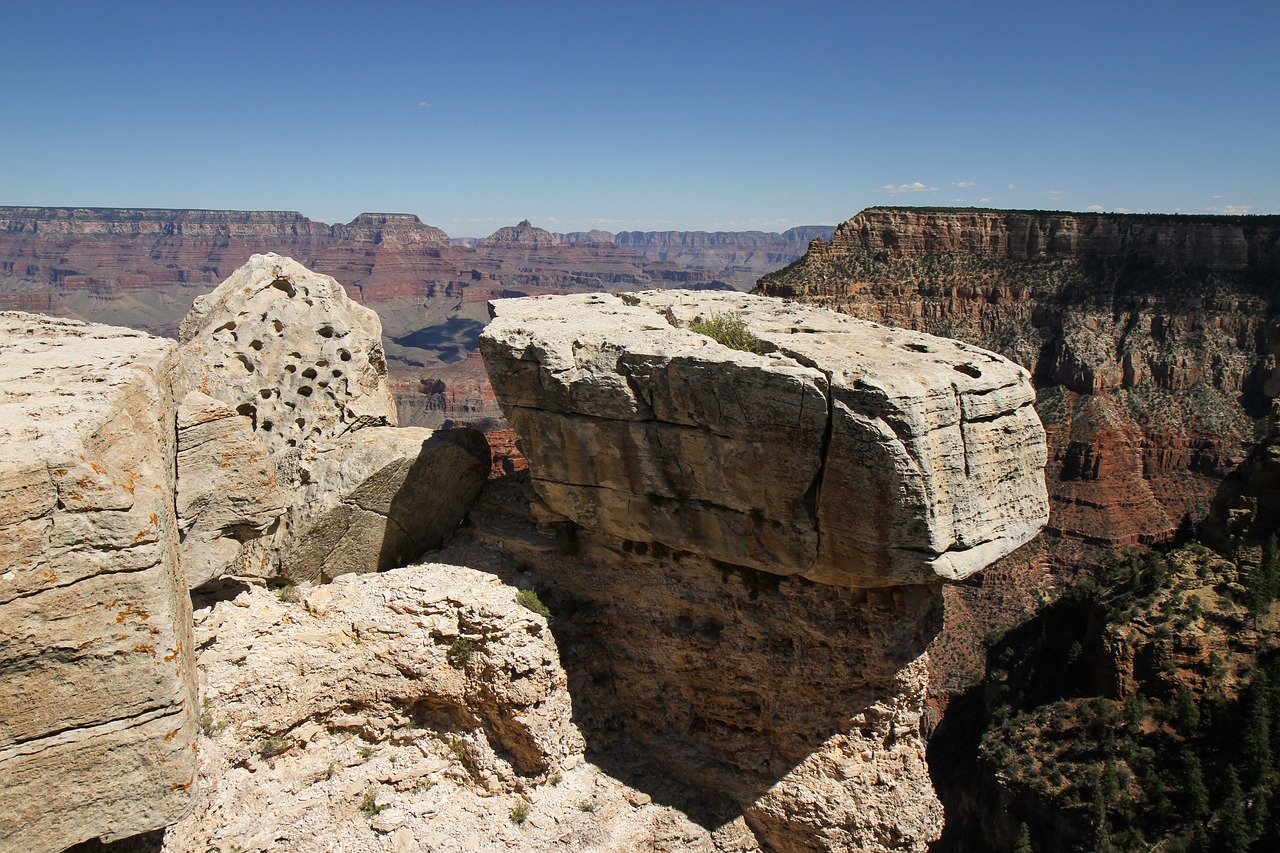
(524, 232)
(892, 457)
(302, 365)
(227, 491)
(689, 495)
(97, 688)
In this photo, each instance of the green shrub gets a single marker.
(529, 599)
(289, 594)
(272, 746)
(519, 813)
(369, 805)
(729, 329)
(460, 652)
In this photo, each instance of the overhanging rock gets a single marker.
(849, 453)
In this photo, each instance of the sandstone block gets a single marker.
(228, 492)
(850, 453)
(97, 711)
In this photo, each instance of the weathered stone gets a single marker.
(378, 498)
(228, 492)
(97, 711)
(285, 347)
(851, 454)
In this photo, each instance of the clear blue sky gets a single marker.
(643, 115)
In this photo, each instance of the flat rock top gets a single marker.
(841, 450)
(58, 378)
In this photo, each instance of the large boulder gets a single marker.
(287, 348)
(848, 453)
(299, 370)
(97, 687)
(376, 499)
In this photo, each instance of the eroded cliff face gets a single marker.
(748, 549)
(1145, 337)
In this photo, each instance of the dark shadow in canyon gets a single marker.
(449, 342)
(707, 686)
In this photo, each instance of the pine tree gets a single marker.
(1195, 792)
(1023, 844)
(1256, 739)
(1231, 829)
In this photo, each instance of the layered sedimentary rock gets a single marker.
(97, 689)
(689, 495)
(850, 454)
(1145, 336)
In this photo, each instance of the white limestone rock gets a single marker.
(851, 454)
(228, 491)
(288, 349)
(97, 687)
(379, 498)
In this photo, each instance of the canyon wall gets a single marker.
(1145, 336)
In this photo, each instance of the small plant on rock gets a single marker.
(272, 746)
(529, 599)
(460, 652)
(729, 329)
(289, 594)
(519, 813)
(369, 805)
(587, 806)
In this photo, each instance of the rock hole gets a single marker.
(337, 374)
(344, 355)
(256, 346)
(323, 383)
(300, 422)
(245, 363)
(277, 325)
(265, 393)
(309, 373)
(304, 476)
(229, 326)
(309, 302)
(291, 368)
(296, 355)
(968, 370)
(250, 411)
(325, 331)
(918, 348)
(292, 442)
(305, 390)
(266, 426)
(285, 285)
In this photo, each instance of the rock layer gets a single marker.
(95, 620)
(851, 454)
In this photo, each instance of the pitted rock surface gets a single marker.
(851, 453)
(288, 349)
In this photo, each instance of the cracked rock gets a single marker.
(849, 453)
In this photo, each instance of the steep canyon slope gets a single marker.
(1145, 335)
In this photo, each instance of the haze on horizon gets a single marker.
(709, 115)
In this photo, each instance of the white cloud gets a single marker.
(962, 183)
(913, 187)
(985, 200)
(424, 103)
(1013, 186)
(1055, 193)
(1232, 209)
(1095, 208)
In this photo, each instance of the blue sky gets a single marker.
(656, 115)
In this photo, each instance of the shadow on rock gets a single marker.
(731, 693)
